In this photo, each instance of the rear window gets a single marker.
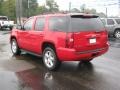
(118, 21)
(75, 24)
(86, 24)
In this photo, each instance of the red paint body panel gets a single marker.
(80, 48)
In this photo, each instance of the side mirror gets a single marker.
(19, 27)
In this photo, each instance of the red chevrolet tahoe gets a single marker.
(61, 37)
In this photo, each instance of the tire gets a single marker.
(50, 59)
(14, 47)
(10, 28)
(117, 34)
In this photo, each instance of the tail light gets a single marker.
(69, 40)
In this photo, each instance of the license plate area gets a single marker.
(92, 40)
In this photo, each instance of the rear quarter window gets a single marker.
(110, 22)
(59, 23)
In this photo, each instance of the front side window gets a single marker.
(40, 23)
(110, 22)
(3, 18)
(29, 24)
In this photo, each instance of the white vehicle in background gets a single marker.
(5, 23)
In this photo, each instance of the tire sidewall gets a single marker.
(115, 34)
(17, 50)
(56, 62)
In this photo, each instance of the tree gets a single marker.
(1, 2)
(52, 6)
(41, 9)
(82, 8)
(29, 7)
(90, 11)
(8, 9)
(75, 10)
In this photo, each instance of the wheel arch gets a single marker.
(48, 44)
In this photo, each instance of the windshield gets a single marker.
(3, 18)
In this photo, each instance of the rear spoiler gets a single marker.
(84, 16)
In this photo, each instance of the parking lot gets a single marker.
(27, 72)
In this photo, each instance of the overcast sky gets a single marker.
(113, 10)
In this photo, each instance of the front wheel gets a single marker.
(14, 47)
(117, 34)
(50, 59)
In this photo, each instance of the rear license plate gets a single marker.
(92, 41)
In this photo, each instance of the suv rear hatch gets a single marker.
(88, 33)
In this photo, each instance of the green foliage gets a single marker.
(29, 8)
(52, 6)
(7, 8)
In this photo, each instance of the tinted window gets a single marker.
(110, 22)
(59, 23)
(103, 20)
(40, 22)
(118, 21)
(75, 24)
(28, 25)
(86, 24)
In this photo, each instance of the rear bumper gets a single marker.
(65, 54)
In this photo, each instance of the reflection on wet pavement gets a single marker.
(114, 42)
(27, 72)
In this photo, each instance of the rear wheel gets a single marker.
(50, 59)
(14, 47)
(117, 34)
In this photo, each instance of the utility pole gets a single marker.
(69, 6)
(106, 12)
(28, 2)
(119, 7)
(19, 11)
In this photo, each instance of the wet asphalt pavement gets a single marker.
(27, 72)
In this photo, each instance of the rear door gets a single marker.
(36, 36)
(89, 33)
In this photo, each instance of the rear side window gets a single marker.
(59, 23)
(40, 23)
(110, 22)
(118, 21)
(86, 24)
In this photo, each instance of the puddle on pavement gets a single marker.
(114, 42)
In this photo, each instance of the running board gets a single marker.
(31, 53)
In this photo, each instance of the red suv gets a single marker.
(61, 37)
